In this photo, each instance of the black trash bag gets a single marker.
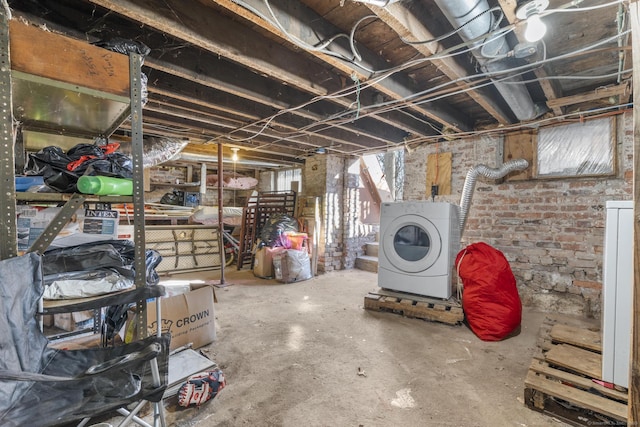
(84, 159)
(79, 150)
(176, 198)
(116, 315)
(152, 260)
(89, 256)
(60, 180)
(124, 46)
(51, 156)
(116, 165)
(277, 224)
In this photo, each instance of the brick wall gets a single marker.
(342, 235)
(551, 231)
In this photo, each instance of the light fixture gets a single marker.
(530, 12)
(234, 156)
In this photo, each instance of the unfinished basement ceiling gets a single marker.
(281, 79)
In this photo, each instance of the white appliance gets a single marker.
(418, 244)
(617, 292)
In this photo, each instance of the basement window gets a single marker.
(288, 179)
(576, 150)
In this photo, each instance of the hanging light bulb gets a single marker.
(234, 156)
(535, 28)
(530, 12)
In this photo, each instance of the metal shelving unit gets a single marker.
(55, 100)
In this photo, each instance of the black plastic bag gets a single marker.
(124, 46)
(277, 224)
(60, 171)
(51, 156)
(88, 256)
(176, 198)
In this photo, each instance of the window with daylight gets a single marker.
(285, 178)
(577, 149)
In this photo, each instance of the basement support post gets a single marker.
(220, 223)
(634, 376)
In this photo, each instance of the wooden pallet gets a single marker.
(415, 306)
(560, 381)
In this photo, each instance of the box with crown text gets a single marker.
(189, 317)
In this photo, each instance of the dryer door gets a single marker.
(411, 243)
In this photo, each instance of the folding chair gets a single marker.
(45, 387)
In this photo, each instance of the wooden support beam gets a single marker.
(304, 24)
(403, 20)
(607, 92)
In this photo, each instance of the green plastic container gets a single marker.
(105, 186)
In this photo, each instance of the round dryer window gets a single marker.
(411, 243)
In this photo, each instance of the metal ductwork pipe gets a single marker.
(379, 3)
(476, 23)
(470, 183)
(161, 150)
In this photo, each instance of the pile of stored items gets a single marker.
(281, 251)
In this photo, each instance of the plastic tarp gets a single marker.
(490, 298)
(291, 266)
(43, 386)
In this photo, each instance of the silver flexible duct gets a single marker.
(157, 150)
(161, 150)
(472, 17)
(470, 183)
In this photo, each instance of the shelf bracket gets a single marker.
(57, 224)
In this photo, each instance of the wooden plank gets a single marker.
(409, 307)
(576, 359)
(439, 173)
(576, 396)
(565, 412)
(451, 302)
(618, 90)
(579, 337)
(520, 145)
(60, 58)
(542, 367)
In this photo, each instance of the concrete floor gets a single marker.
(308, 354)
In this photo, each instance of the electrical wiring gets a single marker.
(357, 87)
(567, 7)
(573, 77)
(454, 32)
(352, 35)
(595, 113)
(379, 110)
(477, 86)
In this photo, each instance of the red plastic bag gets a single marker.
(490, 298)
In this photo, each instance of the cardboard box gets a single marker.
(74, 321)
(188, 317)
(263, 262)
(85, 225)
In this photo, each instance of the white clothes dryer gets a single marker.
(419, 241)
